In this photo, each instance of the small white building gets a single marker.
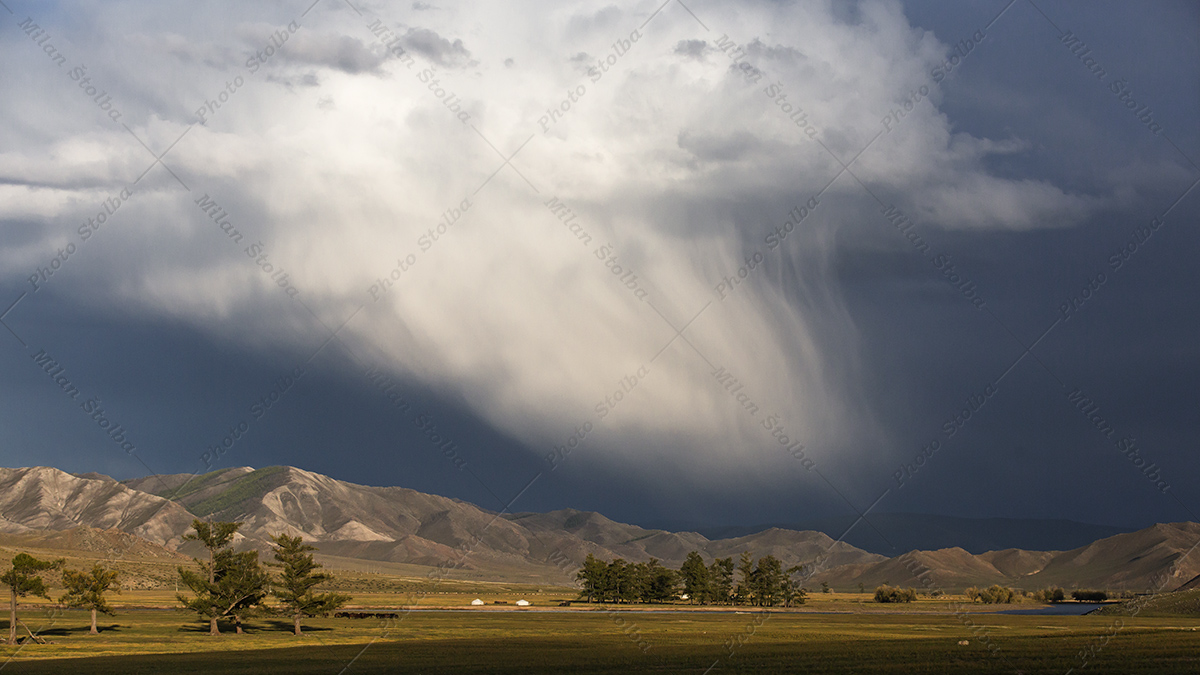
(522, 603)
(476, 602)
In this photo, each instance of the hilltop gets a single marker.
(362, 526)
(384, 524)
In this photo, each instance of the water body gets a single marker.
(1064, 609)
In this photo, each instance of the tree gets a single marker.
(632, 581)
(298, 577)
(243, 586)
(997, 595)
(86, 590)
(992, 595)
(695, 578)
(745, 588)
(1052, 595)
(825, 587)
(659, 583)
(240, 584)
(592, 575)
(1089, 596)
(213, 599)
(720, 580)
(768, 581)
(22, 579)
(618, 581)
(215, 537)
(793, 590)
(887, 593)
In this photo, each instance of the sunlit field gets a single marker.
(924, 637)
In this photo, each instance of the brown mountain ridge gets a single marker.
(400, 525)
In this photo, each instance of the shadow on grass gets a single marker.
(80, 630)
(266, 626)
(286, 625)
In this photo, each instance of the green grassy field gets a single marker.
(1186, 603)
(164, 641)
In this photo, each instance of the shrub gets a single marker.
(1089, 596)
(1051, 595)
(997, 594)
(992, 595)
(887, 593)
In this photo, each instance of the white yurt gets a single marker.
(522, 603)
(476, 602)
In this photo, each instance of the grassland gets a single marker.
(833, 633)
(1182, 604)
(909, 640)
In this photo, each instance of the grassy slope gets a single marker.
(239, 490)
(468, 642)
(1184, 604)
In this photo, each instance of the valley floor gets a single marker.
(165, 641)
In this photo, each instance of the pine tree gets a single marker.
(86, 590)
(745, 588)
(211, 601)
(794, 592)
(22, 579)
(695, 578)
(720, 579)
(243, 586)
(768, 580)
(592, 575)
(298, 577)
(659, 583)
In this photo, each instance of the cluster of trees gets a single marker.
(1051, 595)
(763, 582)
(85, 590)
(234, 584)
(1089, 596)
(887, 593)
(621, 581)
(992, 595)
(1000, 594)
(230, 584)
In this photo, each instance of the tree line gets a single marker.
(230, 584)
(764, 582)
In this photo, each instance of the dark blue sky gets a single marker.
(1023, 169)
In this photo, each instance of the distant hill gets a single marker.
(100, 544)
(1136, 561)
(948, 570)
(1129, 561)
(397, 525)
(913, 531)
(44, 498)
(387, 524)
(142, 564)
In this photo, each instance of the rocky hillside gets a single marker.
(44, 498)
(1159, 558)
(399, 525)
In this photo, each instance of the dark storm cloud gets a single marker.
(1020, 169)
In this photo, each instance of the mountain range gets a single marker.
(894, 533)
(350, 522)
